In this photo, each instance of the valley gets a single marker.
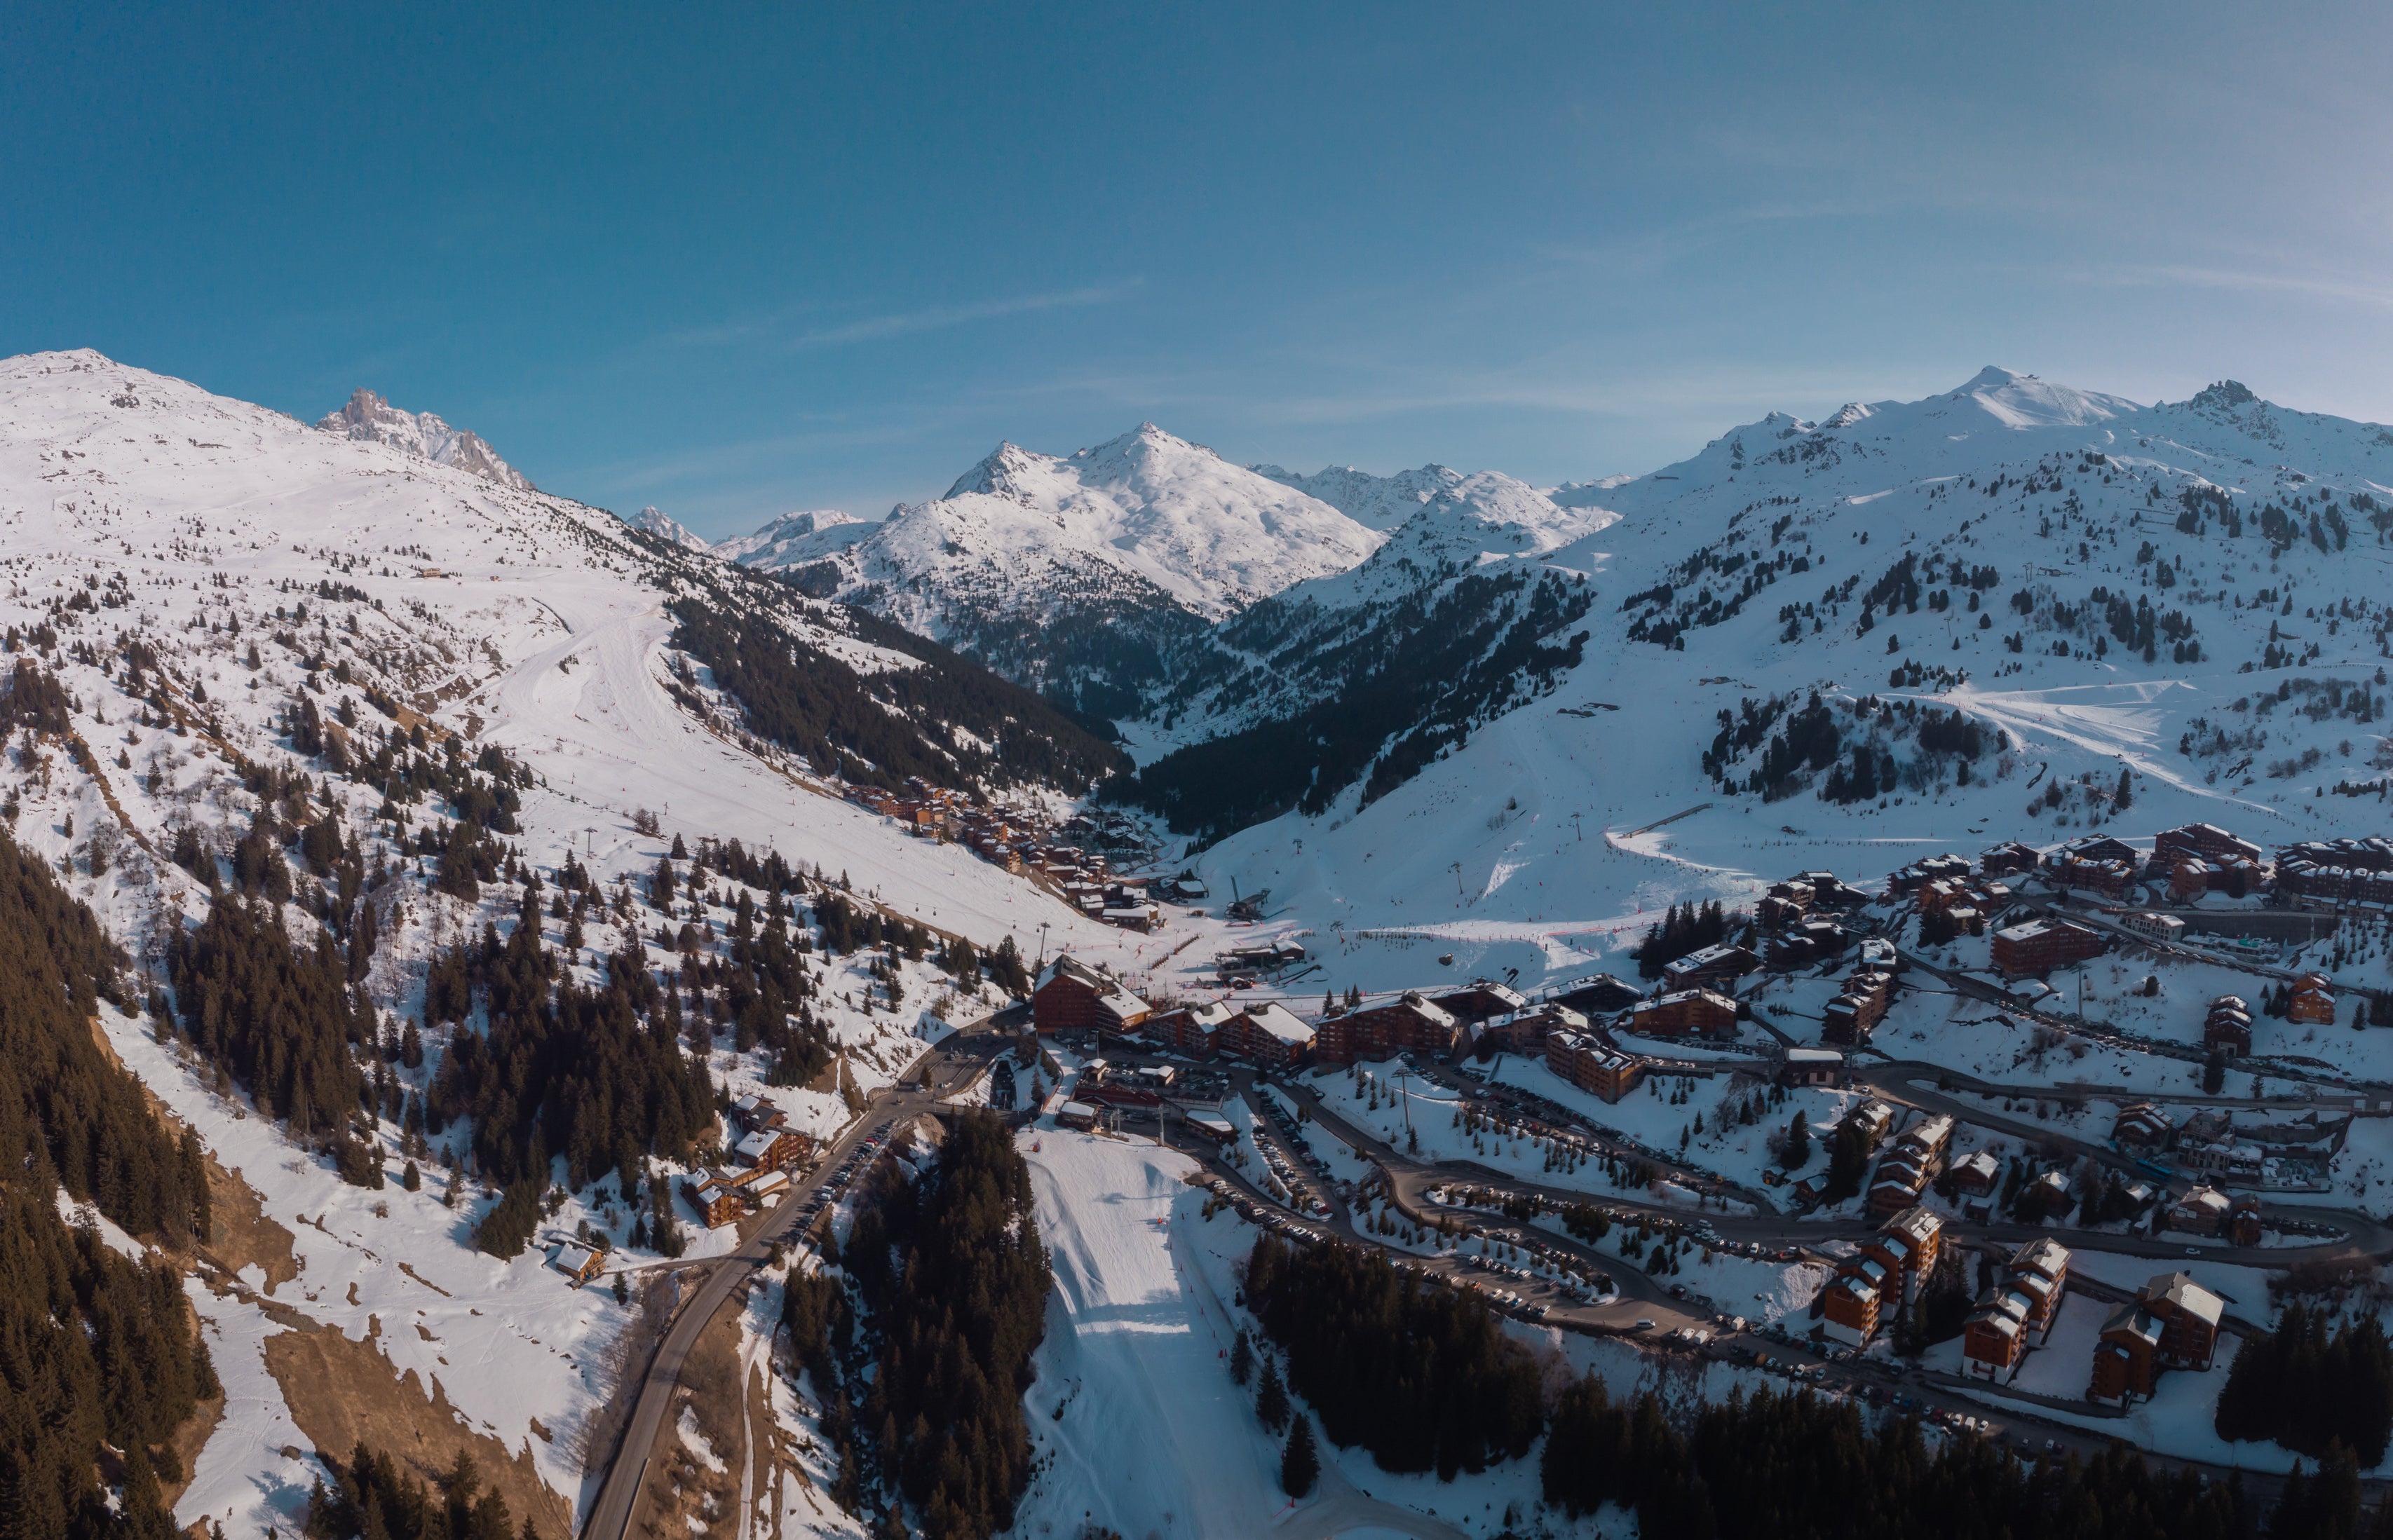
(808, 1034)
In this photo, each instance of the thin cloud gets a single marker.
(905, 323)
(2316, 287)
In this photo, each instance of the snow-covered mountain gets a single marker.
(484, 706)
(794, 540)
(1085, 574)
(370, 419)
(2194, 593)
(666, 528)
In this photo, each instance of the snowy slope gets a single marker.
(2263, 692)
(793, 540)
(137, 508)
(368, 419)
(664, 527)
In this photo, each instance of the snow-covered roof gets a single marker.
(1279, 1022)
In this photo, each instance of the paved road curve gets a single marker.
(617, 1507)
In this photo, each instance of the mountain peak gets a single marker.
(2226, 395)
(665, 527)
(999, 474)
(368, 418)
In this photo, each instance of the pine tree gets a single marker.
(1270, 1398)
(2126, 798)
(1242, 1360)
(1798, 1140)
(1299, 1463)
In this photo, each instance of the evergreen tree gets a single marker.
(1242, 1360)
(1270, 1398)
(1300, 1462)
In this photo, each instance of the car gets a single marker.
(1645, 1325)
(2193, 1251)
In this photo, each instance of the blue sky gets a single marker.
(734, 260)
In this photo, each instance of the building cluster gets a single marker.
(2039, 946)
(1020, 844)
(2204, 1210)
(1854, 1013)
(2337, 872)
(2015, 1313)
(1904, 1172)
(1798, 919)
(1885, 1275)
(2171, 1324)
(766, 1149)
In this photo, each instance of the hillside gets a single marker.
(1087, 575)
(460, 839)
(2194, 593)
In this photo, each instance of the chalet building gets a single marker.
(1086, 1117)
(719, 1196)
(2045, 1198)
(2097, 847)
(2158, 927)
(1408, 1024)
(1829, 889)
(1804, 943)
(2142, 1127)
(2330, 873)
(2040, 946)
(753, 1112)
(1909, 1244)
(2227, 1027)
(1851, 1016)
(1883, 1275)
(1526, 1031)
(2172, 1323)
(2229, 1159)
(1689, 1013)
(1194, 1030)
(2016, 1313)
(1927, 870)
(1918, 1155)
(2080, 874)
(2207, 1211)
(2040, 1271)
(2127, 1357)
(1713, 968)
(2004, 859)
(1811, 1066)
(2204, 842)
(1079, 998)
(1481, 999)
(2188, 877)
(1976, 1175)
(1270, 1035)
(1594, 1065)
(1787, 902)
(579, 1262)
(2311, 1003)
(1993, 1338)
(2201, 1211)
(1876, 1119)
(1598, 994)
(772, 1149)
(1850, 1309)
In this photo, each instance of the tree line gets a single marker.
(1796, 1467)
(919, 1345)
(2305, 1388)
(1420, 1373)
(373, 1497)
(98, 1353)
